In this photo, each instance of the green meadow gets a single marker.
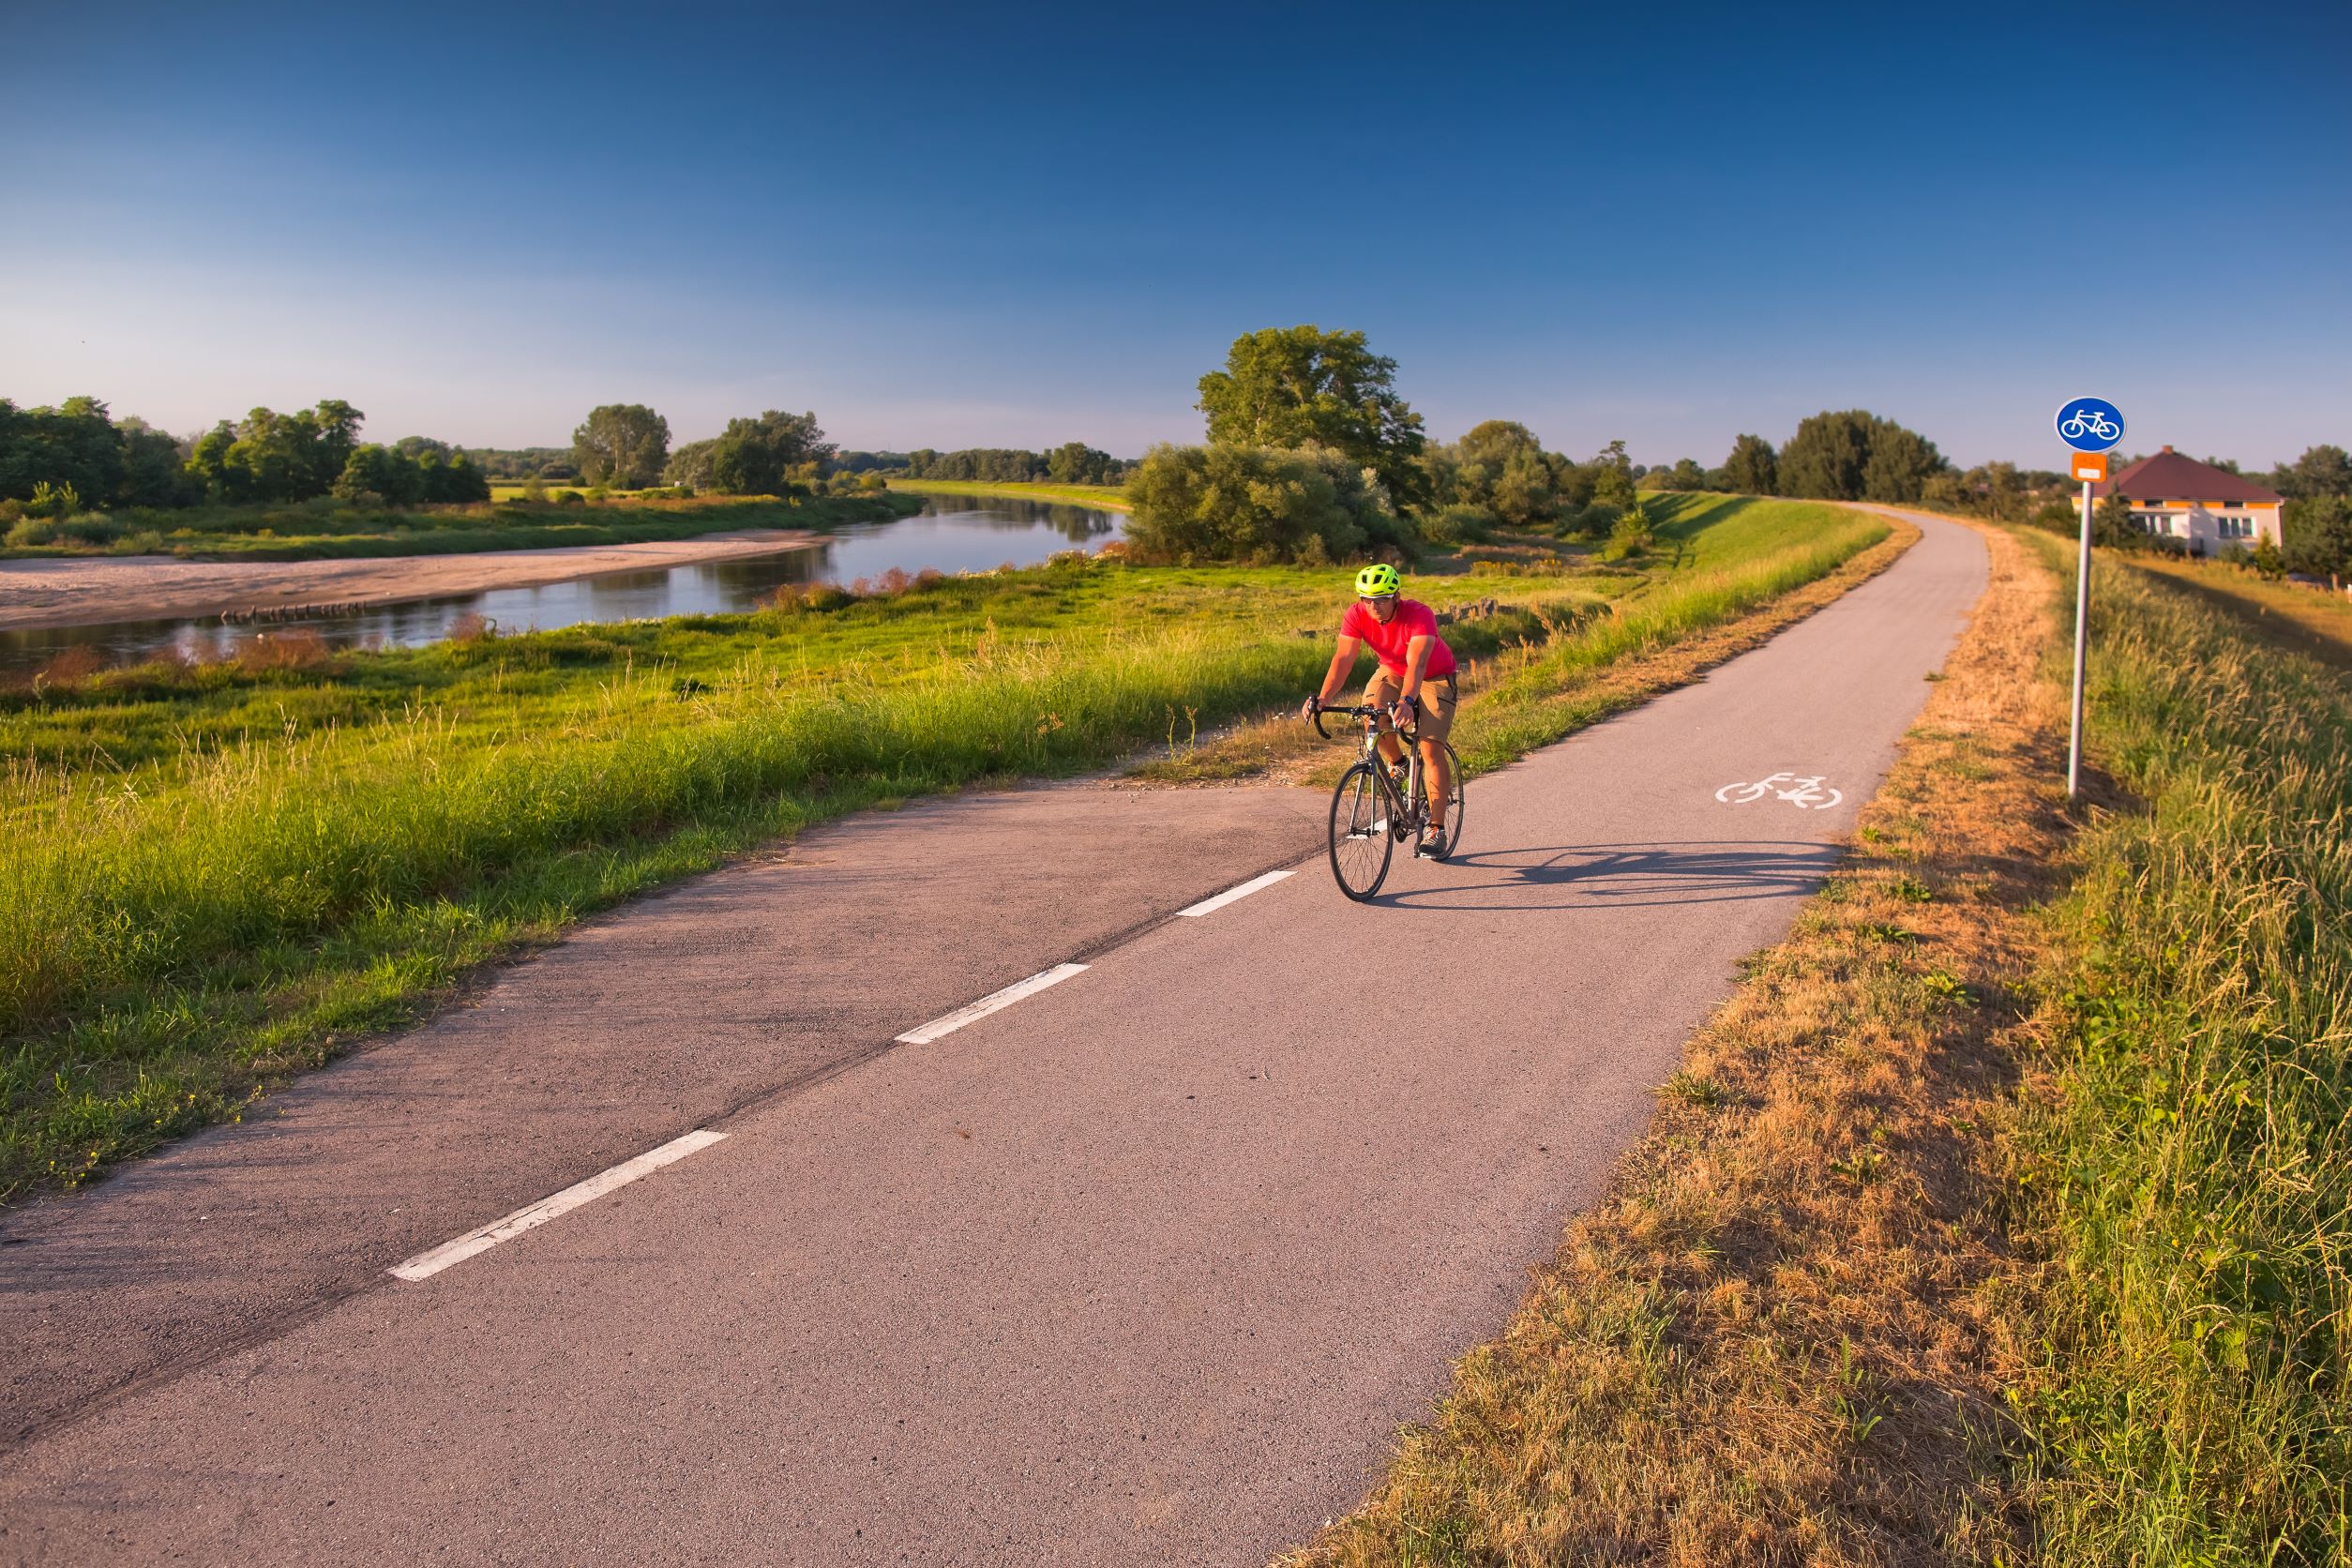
(211, 876)
(1109, 497)
(324, 527)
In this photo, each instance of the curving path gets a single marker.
(1144, 1267)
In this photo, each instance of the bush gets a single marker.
(52, 501)
(1629, 535)
(1593, 521)
(2266, 560)
(2059, 516)
(80, 528)
(1259, 505)
(1460, 523)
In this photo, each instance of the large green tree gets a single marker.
(2324, 470)
(1501, 472)
(1901, 461)
(2319, 531)
(1299, 387)
(1074, 462)
(621, 444)
(1260, 503)
(74, 443)
(1854, 455)
(1753, 468)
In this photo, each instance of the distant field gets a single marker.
(1112, 498)
(2288, 616)
(322, 529)
(211, 877)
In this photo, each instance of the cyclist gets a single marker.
(1416, 679)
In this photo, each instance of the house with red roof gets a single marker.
(2207, 510)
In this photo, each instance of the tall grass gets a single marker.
(2191, 1177)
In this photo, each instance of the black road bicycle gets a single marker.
(1374, 810)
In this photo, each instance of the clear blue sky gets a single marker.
(956, 225)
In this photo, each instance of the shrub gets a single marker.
(570, 498)
(1257, 504)
(2059, 516)
(1460, 523)
(2266, 559)
(80, 528)
(1593, 520)
(1629, 535)
(52, 501)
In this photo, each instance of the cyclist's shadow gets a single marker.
(1626, 876)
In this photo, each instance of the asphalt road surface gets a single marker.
(1145, 1266)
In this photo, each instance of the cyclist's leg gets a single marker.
(1382, 692)
(1438, 698)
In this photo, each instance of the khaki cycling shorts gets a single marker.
(1436, 721)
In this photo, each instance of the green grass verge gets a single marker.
(2191, 1177)
(327, 529)
(2288, 616)
(1733, 556)
(1110, 498)
(209, 877)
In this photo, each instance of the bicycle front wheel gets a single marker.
(1361, 843)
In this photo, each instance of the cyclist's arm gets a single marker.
(1343, 664)
(1416, 656)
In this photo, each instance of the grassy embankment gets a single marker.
(1723, 575)
(210, 875)
(2288, 616)
(1859, 1297)
(2191, 1174)
(1110, 498)
(315, 530)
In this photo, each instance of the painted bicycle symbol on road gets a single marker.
(1804, 792)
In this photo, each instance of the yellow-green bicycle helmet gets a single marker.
(1376, 580)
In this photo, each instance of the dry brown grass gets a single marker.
(1281, 748)
(1782, 1336)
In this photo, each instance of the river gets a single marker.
(952, 534)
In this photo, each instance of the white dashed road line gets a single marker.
(1208, 906)
(425, 1264)
(990, 1003)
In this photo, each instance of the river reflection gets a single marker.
(952, 534)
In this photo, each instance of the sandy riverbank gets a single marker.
(97, 589)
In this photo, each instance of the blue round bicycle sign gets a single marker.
(2089, 423)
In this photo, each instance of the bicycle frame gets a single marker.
(1403, 806)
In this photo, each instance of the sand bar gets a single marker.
(96, 590)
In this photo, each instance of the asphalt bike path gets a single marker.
(1144, 1266)
(641, 1025)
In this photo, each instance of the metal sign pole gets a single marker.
(2082, 632)
(2091, 428)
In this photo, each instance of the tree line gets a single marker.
(1073, 462)
(77, 456)
(627, 446)
(1312, 455)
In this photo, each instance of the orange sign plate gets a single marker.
(2091, 465)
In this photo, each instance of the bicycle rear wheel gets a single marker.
(1361, 842)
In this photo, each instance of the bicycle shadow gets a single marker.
(1627, 876)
